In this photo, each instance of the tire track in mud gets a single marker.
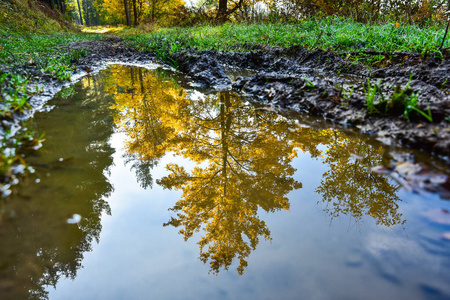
(324, 84)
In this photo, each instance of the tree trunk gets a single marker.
(79, 11)
(127, 12)
(153, 11)
(135, 13)
(87, 19)
(225, 124)
(221, 14)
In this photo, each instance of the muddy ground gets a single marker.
(320, 83)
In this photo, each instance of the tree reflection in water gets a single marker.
(38, 247)
(243, 158)
(349, 187)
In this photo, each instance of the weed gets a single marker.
(411, 104)
(334, 33)
(403, 100)
(443, 84)
(371, 93)
(308, 83)
(13, 93)
(349, 95)
(162, 55)
(406, 100)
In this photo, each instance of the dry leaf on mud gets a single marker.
(439, 216)
(416, 177)
(380, 170)
(446, 236)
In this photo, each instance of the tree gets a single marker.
(246, 168)
(127, 12)
(135, 15)
(79, 11)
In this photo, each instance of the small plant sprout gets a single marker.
(371, 93)
(309, 83)
(347, 97)
(403, 100)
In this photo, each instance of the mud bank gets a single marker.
(100, 54)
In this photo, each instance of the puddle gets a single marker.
(147, 190)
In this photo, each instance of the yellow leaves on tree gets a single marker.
(141, 10)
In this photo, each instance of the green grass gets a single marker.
(25, 16)
(333, 34)
(27, 38)
(48, 53)
(13, 94)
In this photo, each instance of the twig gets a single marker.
(318, 38)
(445, 35)
(370, 52)
(12, 54)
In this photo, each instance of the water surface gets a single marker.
(185, 194)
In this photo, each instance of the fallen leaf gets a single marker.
(446, 236)
(407, 168)
(380, 170)
(439, 216)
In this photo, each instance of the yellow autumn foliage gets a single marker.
(243, 159)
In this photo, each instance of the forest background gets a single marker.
(181, 13)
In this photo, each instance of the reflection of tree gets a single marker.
(243, 158)
(143, 103)
(245, 163)
(248, 167)
(38, 247)
(351, 188)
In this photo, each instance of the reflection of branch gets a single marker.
(209, 183)
(203, 126)
(246, 140)
(237, 174)
(235, 159)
